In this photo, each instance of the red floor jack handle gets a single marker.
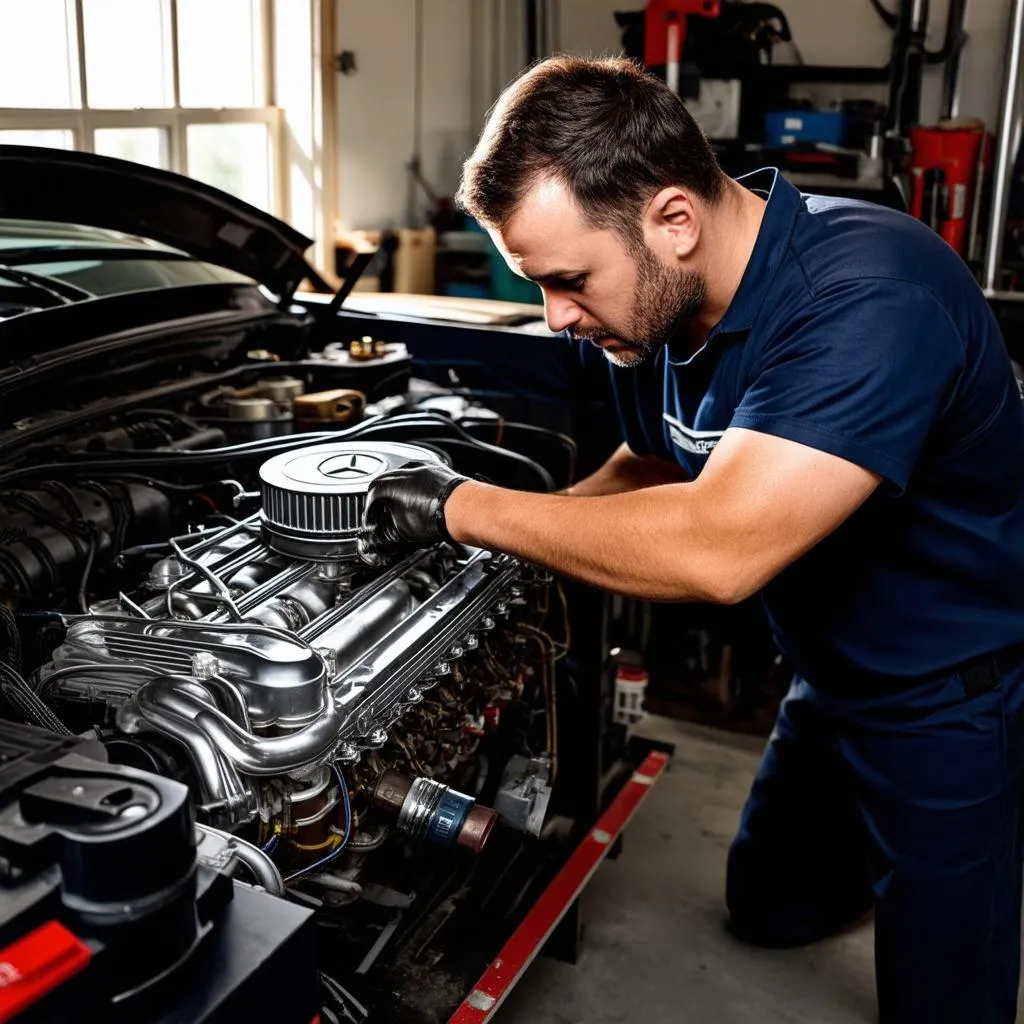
(528, 939)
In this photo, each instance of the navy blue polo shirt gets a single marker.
(857, 331)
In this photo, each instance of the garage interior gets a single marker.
(456, 786)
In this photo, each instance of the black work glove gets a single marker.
(405, 510)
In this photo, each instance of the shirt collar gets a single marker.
(784, 201)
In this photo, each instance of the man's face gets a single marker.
(628, 304)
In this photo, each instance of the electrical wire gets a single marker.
(889, 17)
(566, 629)
(561, 647)
(343, 1001)
(12, 647)
(90, 559)
(165, 545)
(549, 684)
(23, 698)
(45, 685)
(558, 650)
(505, 430)
(336, 852)
(404, 422)
(117, 462)
(955, 38)
(164, 485)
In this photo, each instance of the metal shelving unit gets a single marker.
(1011, 122)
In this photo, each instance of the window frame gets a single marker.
(83, 121)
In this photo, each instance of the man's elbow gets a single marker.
(732, 592)
(729, 585)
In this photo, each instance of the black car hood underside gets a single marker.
(95, 191)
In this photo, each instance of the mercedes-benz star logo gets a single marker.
(356, 466)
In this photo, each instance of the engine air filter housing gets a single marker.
(313, 498)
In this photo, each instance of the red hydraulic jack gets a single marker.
(665, 32)
(948, 170)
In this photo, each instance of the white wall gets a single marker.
(839, 32)
(376, 106)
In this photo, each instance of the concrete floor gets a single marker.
(655, 947)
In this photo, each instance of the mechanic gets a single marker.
(817, 404)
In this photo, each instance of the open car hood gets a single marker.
(210, 225)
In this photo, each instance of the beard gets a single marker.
(666, 300)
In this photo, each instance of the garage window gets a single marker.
(185, 85)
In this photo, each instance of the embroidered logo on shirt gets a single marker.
(696, 442)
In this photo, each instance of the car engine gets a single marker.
(270, 655)
(183, 584)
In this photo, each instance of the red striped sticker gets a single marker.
(528, 939)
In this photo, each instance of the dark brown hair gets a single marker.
(609, 131)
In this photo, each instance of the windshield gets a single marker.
(45, 264)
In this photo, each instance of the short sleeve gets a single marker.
(862, 373)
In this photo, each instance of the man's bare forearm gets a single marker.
(626, 471)
(761, 503)
(629, 543)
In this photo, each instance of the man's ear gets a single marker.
(672, 223)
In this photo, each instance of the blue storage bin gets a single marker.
(787, 127)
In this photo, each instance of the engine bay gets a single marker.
(181, 584)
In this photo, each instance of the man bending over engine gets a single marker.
(816, 403)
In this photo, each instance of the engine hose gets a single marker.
(377, 839)
(263, 869)
(435, 420)
(115, 463)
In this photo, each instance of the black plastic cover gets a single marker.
(110, 852)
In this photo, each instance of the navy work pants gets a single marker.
(909, 802)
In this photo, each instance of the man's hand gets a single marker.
(405, 510)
